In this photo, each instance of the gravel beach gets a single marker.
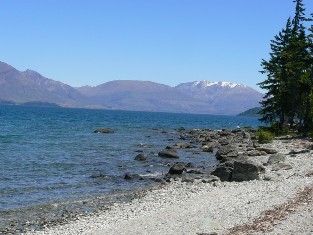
(217, 207)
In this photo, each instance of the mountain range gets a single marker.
(194, 97)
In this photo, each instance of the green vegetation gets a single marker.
(254, 112)
(264, 136)
(289, 84)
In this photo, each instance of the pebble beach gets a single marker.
(280, 202)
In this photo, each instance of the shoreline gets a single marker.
(200, 207)
(39, 216)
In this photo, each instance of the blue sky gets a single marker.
(82, 42)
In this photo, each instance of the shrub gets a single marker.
(277, 130)
(264, 136)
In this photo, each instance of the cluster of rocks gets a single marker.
(236, 151)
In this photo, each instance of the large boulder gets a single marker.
(177, 168)
(245, 170)
(223, 171)
(168, 153)
(226, 151)
(276, 158)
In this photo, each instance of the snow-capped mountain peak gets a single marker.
(205, 84)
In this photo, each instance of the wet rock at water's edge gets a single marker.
(104, 131)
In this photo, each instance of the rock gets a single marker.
(207, 148)
(183, 145)
(128, 177)
(299, 151)
(282, 166)
(229, 164)
(275, 158)
(225, 132)
(236, 131)
(177, 169)
(267, 178)
(170, 147)
(183, 137)
(224, 141)
(211, 179)
(255, 144)
(309, 173)
(246, 135)
(309, 146)
(104, 131)
(223, 172)
(140, 157)
(226, 151)
(190, 165)
(245, 170)
(254, 153)
(99, 176)
(267, 150)
(211, 138)
(249, 129)
(171, 153)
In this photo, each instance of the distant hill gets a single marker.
(224, 97)
(194, 97)
(251, 112)
(143, 96)
(204, 97)
(28, 86)
(6, 102)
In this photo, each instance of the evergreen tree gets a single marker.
(308, 117)
(289, 82)
(299, 85)
(274, 103)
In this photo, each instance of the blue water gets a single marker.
(49, 155)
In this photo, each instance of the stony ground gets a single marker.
(279, 203)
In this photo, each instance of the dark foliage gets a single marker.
(289, 70)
